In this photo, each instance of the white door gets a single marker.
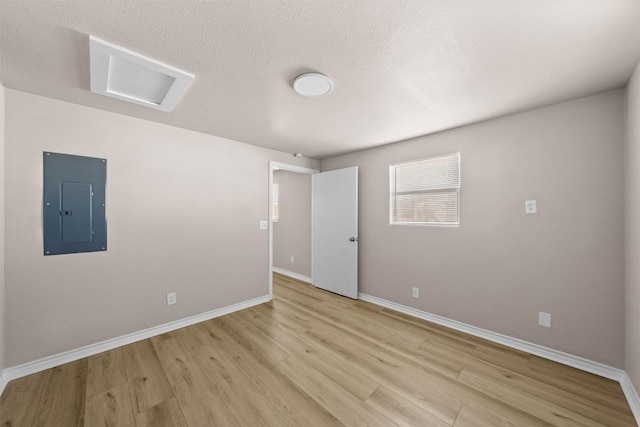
(335, 231)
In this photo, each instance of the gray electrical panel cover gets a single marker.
(74, 204)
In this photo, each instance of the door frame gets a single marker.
(274, 166)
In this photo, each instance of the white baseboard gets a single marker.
(632, 396)
(4, 380)
(292, 274)
(583, 364)
(29, 368)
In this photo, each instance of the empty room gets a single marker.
(314, 213)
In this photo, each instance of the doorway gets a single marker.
(334, 228)
(275, 200)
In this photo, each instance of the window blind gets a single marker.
(426, 191)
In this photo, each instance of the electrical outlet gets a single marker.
(171, 298)
(291, 259)
(416, 293)
(544, 319)
(264, 225)
(531, 206)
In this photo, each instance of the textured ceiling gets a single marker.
(401, 69)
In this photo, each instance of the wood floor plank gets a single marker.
(106, 370)
(165, 414)
(310, 298)
(287, 309)
(110, 408)
(244, 400)
(194, 336)
(434, 339)
(400, 410)
(350, 410)
(289, 321)
(554, 384)
(389, 370)
(147, 381)
(540, 408)
(277, 277)
(299, 408)
(569, 383)
(309, 289)
(252, 338)
(356, 383)
(478, 417)
(502, 356)
(436, 394)
(351, 323)
(441, 365)
(413, 336)
(600, 406)
(555, 368)
(365, 305)
(596, 411)
(21, 398)
(200, 403)
(63, 397)
(575, 386)
(406, 357)
(435, 328)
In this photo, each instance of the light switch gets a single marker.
(530, 207)
(264, 225)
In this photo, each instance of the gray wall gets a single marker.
(183, 212)
(496, 271)
(292, 232)
(632, 230)
(500, 267)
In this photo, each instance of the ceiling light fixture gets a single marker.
(312, 85)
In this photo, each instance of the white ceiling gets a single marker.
(400, 69)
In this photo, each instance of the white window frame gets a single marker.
(451, 187)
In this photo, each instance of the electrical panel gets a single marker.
(74, 204)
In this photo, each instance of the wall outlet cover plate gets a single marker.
(530, 207)
(544, 319)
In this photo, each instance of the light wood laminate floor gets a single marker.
(312, 358)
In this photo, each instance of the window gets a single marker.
(426, 192)
(274, 203)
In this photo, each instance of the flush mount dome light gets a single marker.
(120, 73)
(312, 84)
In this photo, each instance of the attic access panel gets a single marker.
(73, 208)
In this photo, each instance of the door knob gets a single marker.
(353, 239)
